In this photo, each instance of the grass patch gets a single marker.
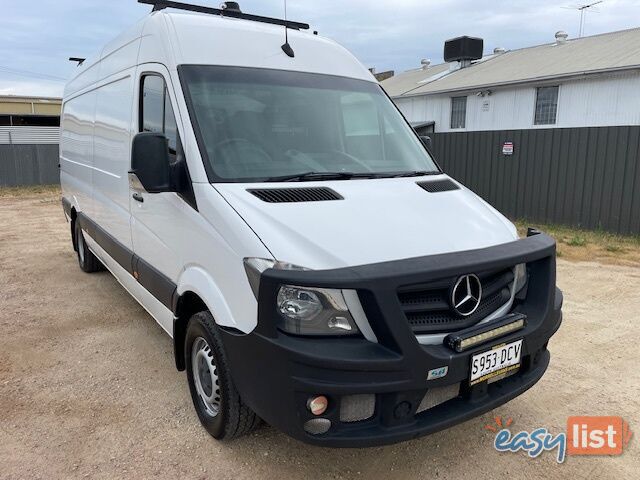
(29, 191)
(577, 241)
(589, 245)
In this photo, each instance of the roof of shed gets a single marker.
(598, 53)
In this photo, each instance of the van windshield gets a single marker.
(269, 125)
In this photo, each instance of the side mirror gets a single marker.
(150, 162)
(426, 141)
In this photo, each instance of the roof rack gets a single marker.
(228, 12)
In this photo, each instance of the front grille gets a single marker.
(437, 396)
(427, 307)
(354, 408)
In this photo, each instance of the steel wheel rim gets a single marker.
(205, 376)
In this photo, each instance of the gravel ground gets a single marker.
(88, 386)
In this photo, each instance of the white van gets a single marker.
(271, 208)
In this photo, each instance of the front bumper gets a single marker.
(276, 373)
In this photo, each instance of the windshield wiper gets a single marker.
(311, 176)
(415, 173)
(314, 176)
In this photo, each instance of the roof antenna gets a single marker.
(583, 9)
(286, 48)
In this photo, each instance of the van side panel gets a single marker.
(88, 73)
(112, 152)
(76, 150)
(118, 56)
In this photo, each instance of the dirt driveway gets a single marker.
(88, 386)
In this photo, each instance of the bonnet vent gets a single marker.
(439, 186)
(291, 195)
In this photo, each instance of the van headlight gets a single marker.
(304, 310)
(521, 277)
(314, 311)
(255, 266)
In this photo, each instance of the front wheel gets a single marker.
(215, 398)
(86, 259)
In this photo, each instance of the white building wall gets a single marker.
(588, 102)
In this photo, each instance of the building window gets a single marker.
(458, 112)
(35, 120)
(546, 105)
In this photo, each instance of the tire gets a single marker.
(88, 262)
(215, 398)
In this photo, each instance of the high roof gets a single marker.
(214, 40)
(588, 55)
(177, 38)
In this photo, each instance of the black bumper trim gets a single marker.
(440, 417)
(355, 366)
(395, 369)
(421, 269)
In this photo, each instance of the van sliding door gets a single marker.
(111, 155)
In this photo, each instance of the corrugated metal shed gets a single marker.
(30, 135)
(615, 51)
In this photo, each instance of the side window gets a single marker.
(170, 127)
(156, 112)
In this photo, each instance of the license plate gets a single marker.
(500, 360)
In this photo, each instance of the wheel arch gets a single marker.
(196, 292)
(70, 214)
(187, 305)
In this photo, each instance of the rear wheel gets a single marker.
(86, 259)
(215, 398)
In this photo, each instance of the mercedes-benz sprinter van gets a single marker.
(266, 202)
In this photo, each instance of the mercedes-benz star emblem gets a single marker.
(466, 295)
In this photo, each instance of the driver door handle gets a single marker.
(138, 197)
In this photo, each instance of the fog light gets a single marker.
(473, 336)
(317, 405)
(317, 426)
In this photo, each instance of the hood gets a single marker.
(377, 220)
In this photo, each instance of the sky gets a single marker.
(38, 36)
